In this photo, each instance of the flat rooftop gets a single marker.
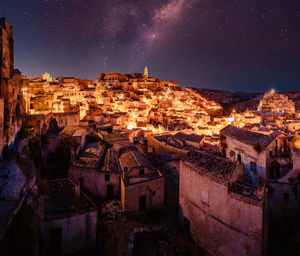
(245, 190)
(62, 201)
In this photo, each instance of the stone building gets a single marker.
(142, 186)
(68, 222)
(222, 213)
(97, 170)
(276, 103)
(295, 148)
(11, 103)
(47, 77)
(67, 118)
(255, 150)
(179, 143)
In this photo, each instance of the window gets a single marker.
(286, 197)
(107, 177)
(153, 193)
(142, 172)
(253, 167)
(239, 158)
(270, 153)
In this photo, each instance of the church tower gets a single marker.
(146, 71)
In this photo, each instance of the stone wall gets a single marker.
(78, 233)
(296, 159)
(162, 148)
(282, 199)
(94, 181)
(222, 223)
(248, 154)
(130, 194)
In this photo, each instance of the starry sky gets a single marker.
(221, 44)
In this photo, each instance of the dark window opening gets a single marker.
(187, 227)
(107, 177)
(142, 172)
(142, 203)
(56, 241)
(153, 193)
(110, 190)
(239, 158)
(286, 197)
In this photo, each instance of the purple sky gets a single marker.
(222, 44)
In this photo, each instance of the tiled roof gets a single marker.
(189, 137)
(133, 158)
(110, 162)
(73, 131)
(248, 137)
(115, 136)
(215, 165)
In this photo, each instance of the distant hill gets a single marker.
(242, 100)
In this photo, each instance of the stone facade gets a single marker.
(102, 179)
(142, 186)
(69, 220)
(222, 214)
(11, 101)
(254, 150)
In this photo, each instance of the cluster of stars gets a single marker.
(210, 43)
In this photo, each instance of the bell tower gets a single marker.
(146, 71)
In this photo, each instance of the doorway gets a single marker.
(56, 241)
(142, 203)
(187, 227)
(110, 190)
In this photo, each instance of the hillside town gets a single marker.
(130, 164)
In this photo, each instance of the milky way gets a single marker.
(223, 44)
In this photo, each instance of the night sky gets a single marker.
(222, 44)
